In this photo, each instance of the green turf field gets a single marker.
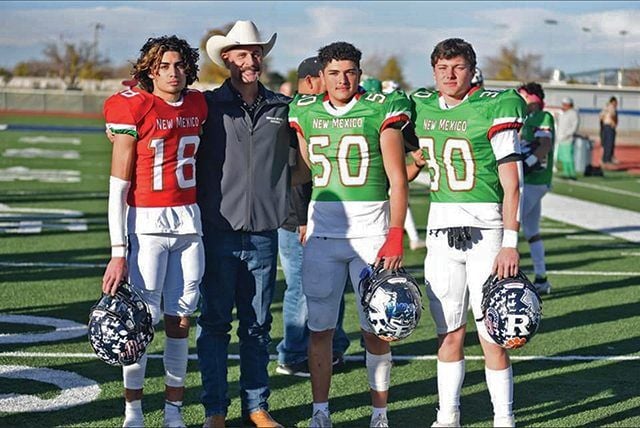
(582, 368)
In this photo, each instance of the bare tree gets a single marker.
(632, 77)
(72, 61)
(509, 64)
(5, 76)
(33, 68)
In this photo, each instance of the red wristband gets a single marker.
(393, 245)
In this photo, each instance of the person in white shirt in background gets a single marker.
(568, 124)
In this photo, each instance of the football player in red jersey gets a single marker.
(154, 221)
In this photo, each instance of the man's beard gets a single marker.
(255, 70)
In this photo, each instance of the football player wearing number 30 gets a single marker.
(469, 138)
(155, 132)
(352, 141)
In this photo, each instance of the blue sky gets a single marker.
(406, 29)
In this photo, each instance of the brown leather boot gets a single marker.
(262, 419)
(215, 421)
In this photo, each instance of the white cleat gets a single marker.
(173, 416)
(320, 420)
(173, 421)
(133, 419)
(449, 420)
(380, 421)
(504, 422)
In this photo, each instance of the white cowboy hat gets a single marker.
(243, 33)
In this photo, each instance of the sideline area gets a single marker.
(623, 224)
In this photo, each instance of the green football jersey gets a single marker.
(539, 124)
(350, 196)
(457, 142)
(344, 151)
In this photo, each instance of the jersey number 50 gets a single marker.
(345, 144)
(183, 161)
(449, 149)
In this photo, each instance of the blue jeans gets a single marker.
(240, 269)
(292, 348)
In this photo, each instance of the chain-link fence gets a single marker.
(52, 100)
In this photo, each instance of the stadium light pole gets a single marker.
(623, 33)
(551, 22)
(585, 30)
(96, 28)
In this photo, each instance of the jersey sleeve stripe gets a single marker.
(293, 123)
(119, 128)
(501, 120)
(505, 144)
(503, 127)
(394, 117)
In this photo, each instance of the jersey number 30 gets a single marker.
(451, 147)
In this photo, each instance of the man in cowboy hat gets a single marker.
(244, 177)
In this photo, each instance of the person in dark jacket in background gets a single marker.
(244, 178)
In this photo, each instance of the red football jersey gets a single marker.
(167, 136)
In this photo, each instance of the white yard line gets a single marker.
(558, 230)
(53, 265)
(590, 273)
(589, 238)
(623, 224)
(604, 188)
(354, 357)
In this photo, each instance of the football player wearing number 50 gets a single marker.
(469, 138)
(352, 142)
(154, 221)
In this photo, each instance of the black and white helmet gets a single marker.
(511, 309)
(391, 301)
(477, 79)
(120, 327)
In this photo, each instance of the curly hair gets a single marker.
(339, 51)
(451, 48)
(532, 88)
(151, 55)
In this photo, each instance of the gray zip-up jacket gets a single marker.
(243, 177)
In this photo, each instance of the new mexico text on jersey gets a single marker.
(167, 137)
(461, 157)
(350, 188)
(457, 142)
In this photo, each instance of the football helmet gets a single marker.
(120, 326)
(391, 301)
(511, 309)
(477, 79)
